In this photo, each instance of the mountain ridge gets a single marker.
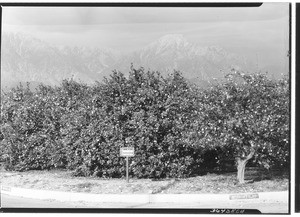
(28, 59)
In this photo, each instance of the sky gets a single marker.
(261, 34)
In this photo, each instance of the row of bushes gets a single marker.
(175, 127)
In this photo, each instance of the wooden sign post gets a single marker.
(127, 152)
(127, 169)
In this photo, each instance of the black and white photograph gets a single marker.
(146, 107)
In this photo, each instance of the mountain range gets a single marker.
(28, 59)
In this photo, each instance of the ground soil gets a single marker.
(62, 180)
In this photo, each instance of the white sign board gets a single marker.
(127, 151)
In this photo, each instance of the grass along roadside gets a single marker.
(61, 180)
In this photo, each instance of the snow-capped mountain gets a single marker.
(25, 58)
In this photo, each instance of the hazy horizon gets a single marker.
(260, 34)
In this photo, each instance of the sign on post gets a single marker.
(127, 152)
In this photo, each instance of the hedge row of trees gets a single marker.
(176, 128)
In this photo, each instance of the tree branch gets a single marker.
(249, 156)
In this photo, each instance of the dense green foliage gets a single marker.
(176, 128)
(247, 119)
(249, 113)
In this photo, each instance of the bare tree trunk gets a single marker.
(241, 165)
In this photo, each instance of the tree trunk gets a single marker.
(241, 165)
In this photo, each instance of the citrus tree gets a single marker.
(154, 115)
(29, 128)
(247, 116)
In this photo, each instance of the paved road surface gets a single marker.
(8, 201)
